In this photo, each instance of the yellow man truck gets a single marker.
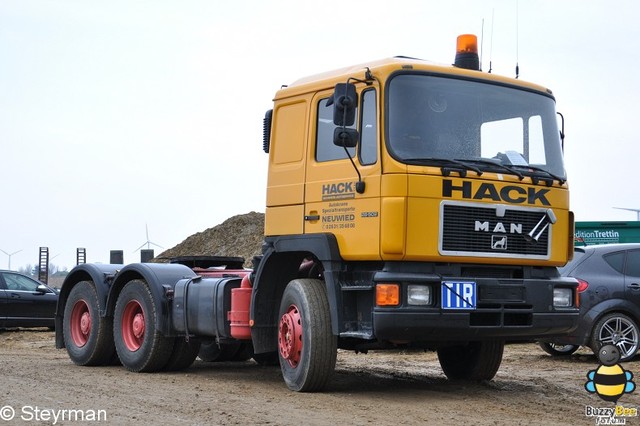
(409, 205)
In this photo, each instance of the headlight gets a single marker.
(562, 297)
(419, 295)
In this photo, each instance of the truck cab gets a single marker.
(438, 212)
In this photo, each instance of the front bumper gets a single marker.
(420, 326)
(505, 309)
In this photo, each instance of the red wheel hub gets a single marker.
(133, 325)
(290, 336)
(80, 323)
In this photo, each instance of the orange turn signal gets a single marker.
(387, 294)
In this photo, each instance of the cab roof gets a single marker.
(382, 68)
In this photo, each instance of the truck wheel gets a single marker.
(183, 354)
(267, 359)
(472, 361)
(140, 346)
(245, 352)
(554, 349)
(87, 337)
(211, 351)
(306, 344)
(619, 330)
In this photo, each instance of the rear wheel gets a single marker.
(307, 347)
(245, 352)
(212, 351)
(555, 349)
(183, 354)
(139, 344)
(267, 359)
(619, 330)
(472, 361)
(88, 337)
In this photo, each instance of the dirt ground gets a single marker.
(39, 382)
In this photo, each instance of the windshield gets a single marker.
(431, 119)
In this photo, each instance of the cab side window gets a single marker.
(368, 141)
(325, 148)
(369, 129)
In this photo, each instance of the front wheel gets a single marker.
(474, 361)
(555, 349)
(140, 346)
(619, 330)
(306, 345)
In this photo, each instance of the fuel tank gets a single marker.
(200, 306)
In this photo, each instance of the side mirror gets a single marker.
(345, 137)
(42, 289)
(345, 100)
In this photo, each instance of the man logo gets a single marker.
(499, 242)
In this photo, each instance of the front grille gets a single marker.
(473, 229)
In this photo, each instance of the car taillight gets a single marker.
(582, 286)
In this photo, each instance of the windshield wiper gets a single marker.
(495, 163)
(461, 168)
(546, 172)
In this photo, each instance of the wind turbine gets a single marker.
(10, 254)
(148, 243)
(631, 210)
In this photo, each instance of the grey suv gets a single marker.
(609, 291)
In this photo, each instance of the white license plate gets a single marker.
(458, 295)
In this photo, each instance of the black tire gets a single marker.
(211, 351)
(473, 361)
(88, 337)
(183, 354)
(555, 349)
(245, 352)
(140, 346)
(619, 330)
(307, 346)
(267, 359)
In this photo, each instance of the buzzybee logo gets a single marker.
(610, 381)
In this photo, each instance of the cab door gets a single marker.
(332, 202)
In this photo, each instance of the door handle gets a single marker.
(634, 286)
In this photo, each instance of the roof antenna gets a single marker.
(491, 43)
(517, 41)
(482, 44)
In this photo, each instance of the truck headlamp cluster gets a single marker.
(562, 297)
(419, 295)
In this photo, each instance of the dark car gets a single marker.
(25, 302)
(609, 291)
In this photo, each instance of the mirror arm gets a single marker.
(360, 184)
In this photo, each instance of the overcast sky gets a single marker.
(116, 115)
